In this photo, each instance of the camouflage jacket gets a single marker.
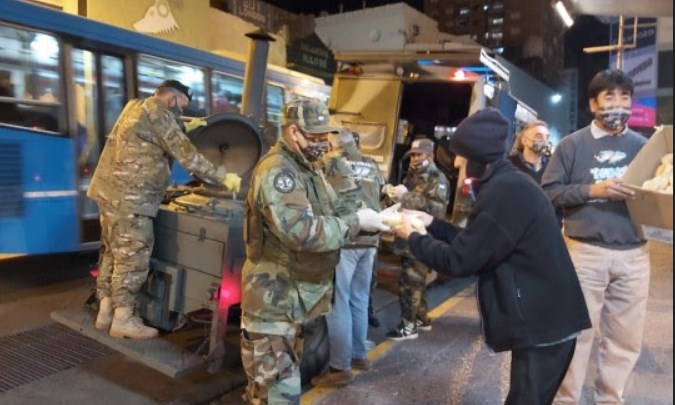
(428, 191)
(358, 181)
(135, 164)
(292, 243)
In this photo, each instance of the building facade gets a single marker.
(526, 32)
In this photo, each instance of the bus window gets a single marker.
(30, 80)
(273, 107)
(114, 95)
(86, 99)
(227, 93)
(97, 107)
(152, 71)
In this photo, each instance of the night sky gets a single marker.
(587, 31)
(333, 6)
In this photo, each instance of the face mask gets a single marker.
(175, 109)
(314, 150)
(613, 118)
(541, 148)
(420, 165)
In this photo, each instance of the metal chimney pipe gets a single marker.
(254, 77)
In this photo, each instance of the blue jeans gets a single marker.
(348, 321)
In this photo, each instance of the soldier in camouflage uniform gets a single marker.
(358, 182)
(425, 188)
(128, 186)
(293, 236)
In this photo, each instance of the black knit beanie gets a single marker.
(481, 137)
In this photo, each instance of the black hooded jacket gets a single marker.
(528, 291)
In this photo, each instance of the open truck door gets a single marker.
(370, 107)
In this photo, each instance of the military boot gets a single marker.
(125, 324)
(105, 314)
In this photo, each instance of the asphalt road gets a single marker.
(32, 287)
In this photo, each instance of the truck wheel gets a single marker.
(316, 352)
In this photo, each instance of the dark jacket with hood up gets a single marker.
(528, 292)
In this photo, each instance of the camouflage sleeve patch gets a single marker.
(284, 182)
(438, 195)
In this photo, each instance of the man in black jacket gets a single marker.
(528, 293)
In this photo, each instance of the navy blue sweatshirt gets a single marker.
(528, 291)
(580, 161)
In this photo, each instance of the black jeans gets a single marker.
(537, 372)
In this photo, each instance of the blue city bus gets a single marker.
(63, 82)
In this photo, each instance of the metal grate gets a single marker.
(32, 355)
(11, 190)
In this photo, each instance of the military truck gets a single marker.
(392, 97)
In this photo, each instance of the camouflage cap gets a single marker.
(310, 115)
(422, 145)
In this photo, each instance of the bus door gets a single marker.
(98, 97)
(369, 106)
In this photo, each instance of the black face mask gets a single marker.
(175, 109)
(314, 150)
(474, 169)
(474, 173)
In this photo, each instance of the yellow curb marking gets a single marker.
(317, 394)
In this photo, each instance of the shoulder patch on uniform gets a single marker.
(284, 182)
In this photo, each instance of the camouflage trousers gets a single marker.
(126, 245)
(412, 290)
(272, 366)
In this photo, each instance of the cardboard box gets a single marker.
(651, 211)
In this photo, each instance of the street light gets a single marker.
(564, 14)
(556, 98)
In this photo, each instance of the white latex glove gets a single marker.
(425, 218)
(390, 215)
(396, 193)
(370, 221)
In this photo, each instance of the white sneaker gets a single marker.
(125, 324)
(404, 331)
(105, 314)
